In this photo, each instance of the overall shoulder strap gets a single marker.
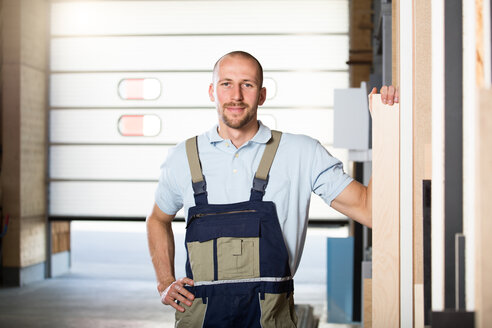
(197, 178)
(261, 177)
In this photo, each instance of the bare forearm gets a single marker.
(161, 246)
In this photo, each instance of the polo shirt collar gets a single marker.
(262, 136)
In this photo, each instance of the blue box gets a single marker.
(340, 279)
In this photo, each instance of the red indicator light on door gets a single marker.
(139, 125)
(139, 89)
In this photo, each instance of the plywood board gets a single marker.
(60, 236)
(421, 125)
(419, 305)
(483, 281)
(360, 37)
(479, 30)
(386, 214)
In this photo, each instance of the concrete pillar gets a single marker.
(24, 138)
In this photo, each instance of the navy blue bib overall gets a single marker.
(237, 257)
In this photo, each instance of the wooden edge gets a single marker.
(386, 214)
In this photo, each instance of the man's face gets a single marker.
(236, 91)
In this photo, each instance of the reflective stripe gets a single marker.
(261, 279)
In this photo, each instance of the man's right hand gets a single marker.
(177, 292)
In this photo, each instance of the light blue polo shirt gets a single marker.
(301, 166)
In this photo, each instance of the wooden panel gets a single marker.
(419, 305)
(367, 303)
(60, 236)
(428, 161)
(386, 213)
(359, 73)
(483, 281)
(360, 25)
(360, 31)
(479, 28)
(421, 124)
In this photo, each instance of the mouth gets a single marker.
(235, 108)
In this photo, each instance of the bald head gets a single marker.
(245, 55)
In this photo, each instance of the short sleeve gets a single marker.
(168, 196)
(328, 177)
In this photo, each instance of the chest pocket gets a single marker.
(224, 246)
(231, 258)
(238, 258)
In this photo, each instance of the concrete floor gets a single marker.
(111, 282)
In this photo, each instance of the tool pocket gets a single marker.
(201, 257)
(277, 310)
(238, 258)
(224, 246)
(193, 315)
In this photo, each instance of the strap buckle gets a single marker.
(260, 185)
(199, 187)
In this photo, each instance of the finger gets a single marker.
(187, 281)
(170, 299)
(397, 95)
(384, 94)
(373, 91)
(180, 290)
(391, 95)
(176, 306)
(183, 299)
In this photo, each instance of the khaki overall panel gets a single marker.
(201, 257)
(193, 315)
(277, 310)
(238, 258)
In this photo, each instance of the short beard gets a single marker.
(234, 124)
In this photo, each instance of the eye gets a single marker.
(248, 85)
(225, 84)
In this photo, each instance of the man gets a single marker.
(243, 253)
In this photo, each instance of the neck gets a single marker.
(240, 136)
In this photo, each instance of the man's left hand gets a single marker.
(389, 95)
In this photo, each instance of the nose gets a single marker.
(237, 93)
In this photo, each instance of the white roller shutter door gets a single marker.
(129, 80)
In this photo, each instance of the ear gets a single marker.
(262, 98)
(211, 92)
